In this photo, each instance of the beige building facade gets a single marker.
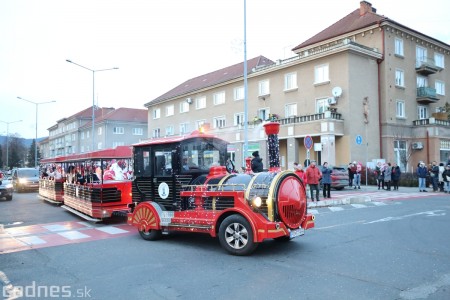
(363, 89)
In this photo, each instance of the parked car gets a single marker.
(25, 179)
(339, 178)
(6, 189)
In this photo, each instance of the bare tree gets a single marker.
(400, 135)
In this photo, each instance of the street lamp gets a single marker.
(35, 141)
(93, 94)
(7, 142)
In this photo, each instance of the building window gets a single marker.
(422, 81)
(138, 131)
(238, 119)
(421, 56)
(184, 107)
(321, 74)
(290, 81)
(170, 110)
(184, 128)
(399, 78)
(99, 131)
(156, 133)
(400, 154)
(398, 47)
(321, 105)
(422, 112)
(99, 146)
(87, 135)
(219, 122)
(400, 109)
(74, 137)
(263, 88)
(199, 123)
(82, 149)
(263, 113)
(200, 103)
(440, 87)
(118, 130)
(239, 93)
(219, 98)
(156, 113)
(169, 130)
(290, 110)
(439, 60)
(82, 135)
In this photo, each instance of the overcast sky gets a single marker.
(156, 44)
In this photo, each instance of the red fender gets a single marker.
(144, 217)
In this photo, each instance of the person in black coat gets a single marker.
(257, 164)
(395, 176)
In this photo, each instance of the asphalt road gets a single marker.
(382, 250)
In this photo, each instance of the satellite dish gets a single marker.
(336, 91)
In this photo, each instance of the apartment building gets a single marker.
(113, 127)
(364, 88)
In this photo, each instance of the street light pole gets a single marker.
(35, 141)
(93, 94)
(7, 142)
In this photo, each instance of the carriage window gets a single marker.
(200, 155)
(163, 163)
(142, 162)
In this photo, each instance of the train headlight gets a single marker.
(256, 202)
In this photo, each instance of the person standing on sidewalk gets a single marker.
(434, 174)
(380, 175)
(441, 178)
(326, 180)
(396, 172)
(446, 178)
(357, 175)
(387, 176)
(422, 173)
(351, 174)
(313, 176)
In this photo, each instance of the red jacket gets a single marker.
(313, 175)
(301, 174)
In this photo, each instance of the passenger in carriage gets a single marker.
(56, 173)
(71, 174)
(92, 176)
(109, 173)
(79, 178)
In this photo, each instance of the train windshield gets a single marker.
(202, 154)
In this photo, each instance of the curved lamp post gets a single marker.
(93, 95)
(35, 141)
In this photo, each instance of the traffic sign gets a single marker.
(308, 142)
(358, 139)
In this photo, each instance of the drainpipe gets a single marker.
(379, 61)
(428, 147)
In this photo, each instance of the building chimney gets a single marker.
(365, 7)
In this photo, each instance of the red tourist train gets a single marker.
(182, 184)
(94, 185)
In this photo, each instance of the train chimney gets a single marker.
(272, 129)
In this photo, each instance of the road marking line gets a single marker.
(336, 208)
(355, 205)
(32, 240)
(111, 230)
(73, 235)
(431, 213)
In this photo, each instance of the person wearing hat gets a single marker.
(257, 164)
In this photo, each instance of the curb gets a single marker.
(344, 201)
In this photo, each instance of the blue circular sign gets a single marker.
(359, 139)
(308, 142)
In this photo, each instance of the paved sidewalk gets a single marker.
(367, 194)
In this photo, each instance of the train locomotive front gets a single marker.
(242, 210)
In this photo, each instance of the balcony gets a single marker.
(431, 121)
(426, 95)
(426, 66)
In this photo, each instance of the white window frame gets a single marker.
(321, 74)
(238, 119)
(290, 110)
(321, 105)
(116, 144)
(421, 81)
(156, 113)
(170, 110)
(138, 131)
(99, 130)
(118, 130)
(156, 133)
(239, 93)
(399, 47)
(399, 151)
(199, 123)
(400, 109)
(219, 98)
(184, 128)
(422, 112)
(421, 55)
(440, 87)
(200, 102)
(170, 130)
(264, 113)
(219, 122)
(264, 87)
(184, 107)
(439, 60)
(290, 81)
(99, 146)
(399, 78)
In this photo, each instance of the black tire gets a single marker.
(236, 235)
(9, 198)
(151, 235)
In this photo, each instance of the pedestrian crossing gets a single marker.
(327, 209)
(21, 238)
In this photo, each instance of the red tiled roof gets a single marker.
(213, 78)
(126, 114)
(351, 22)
